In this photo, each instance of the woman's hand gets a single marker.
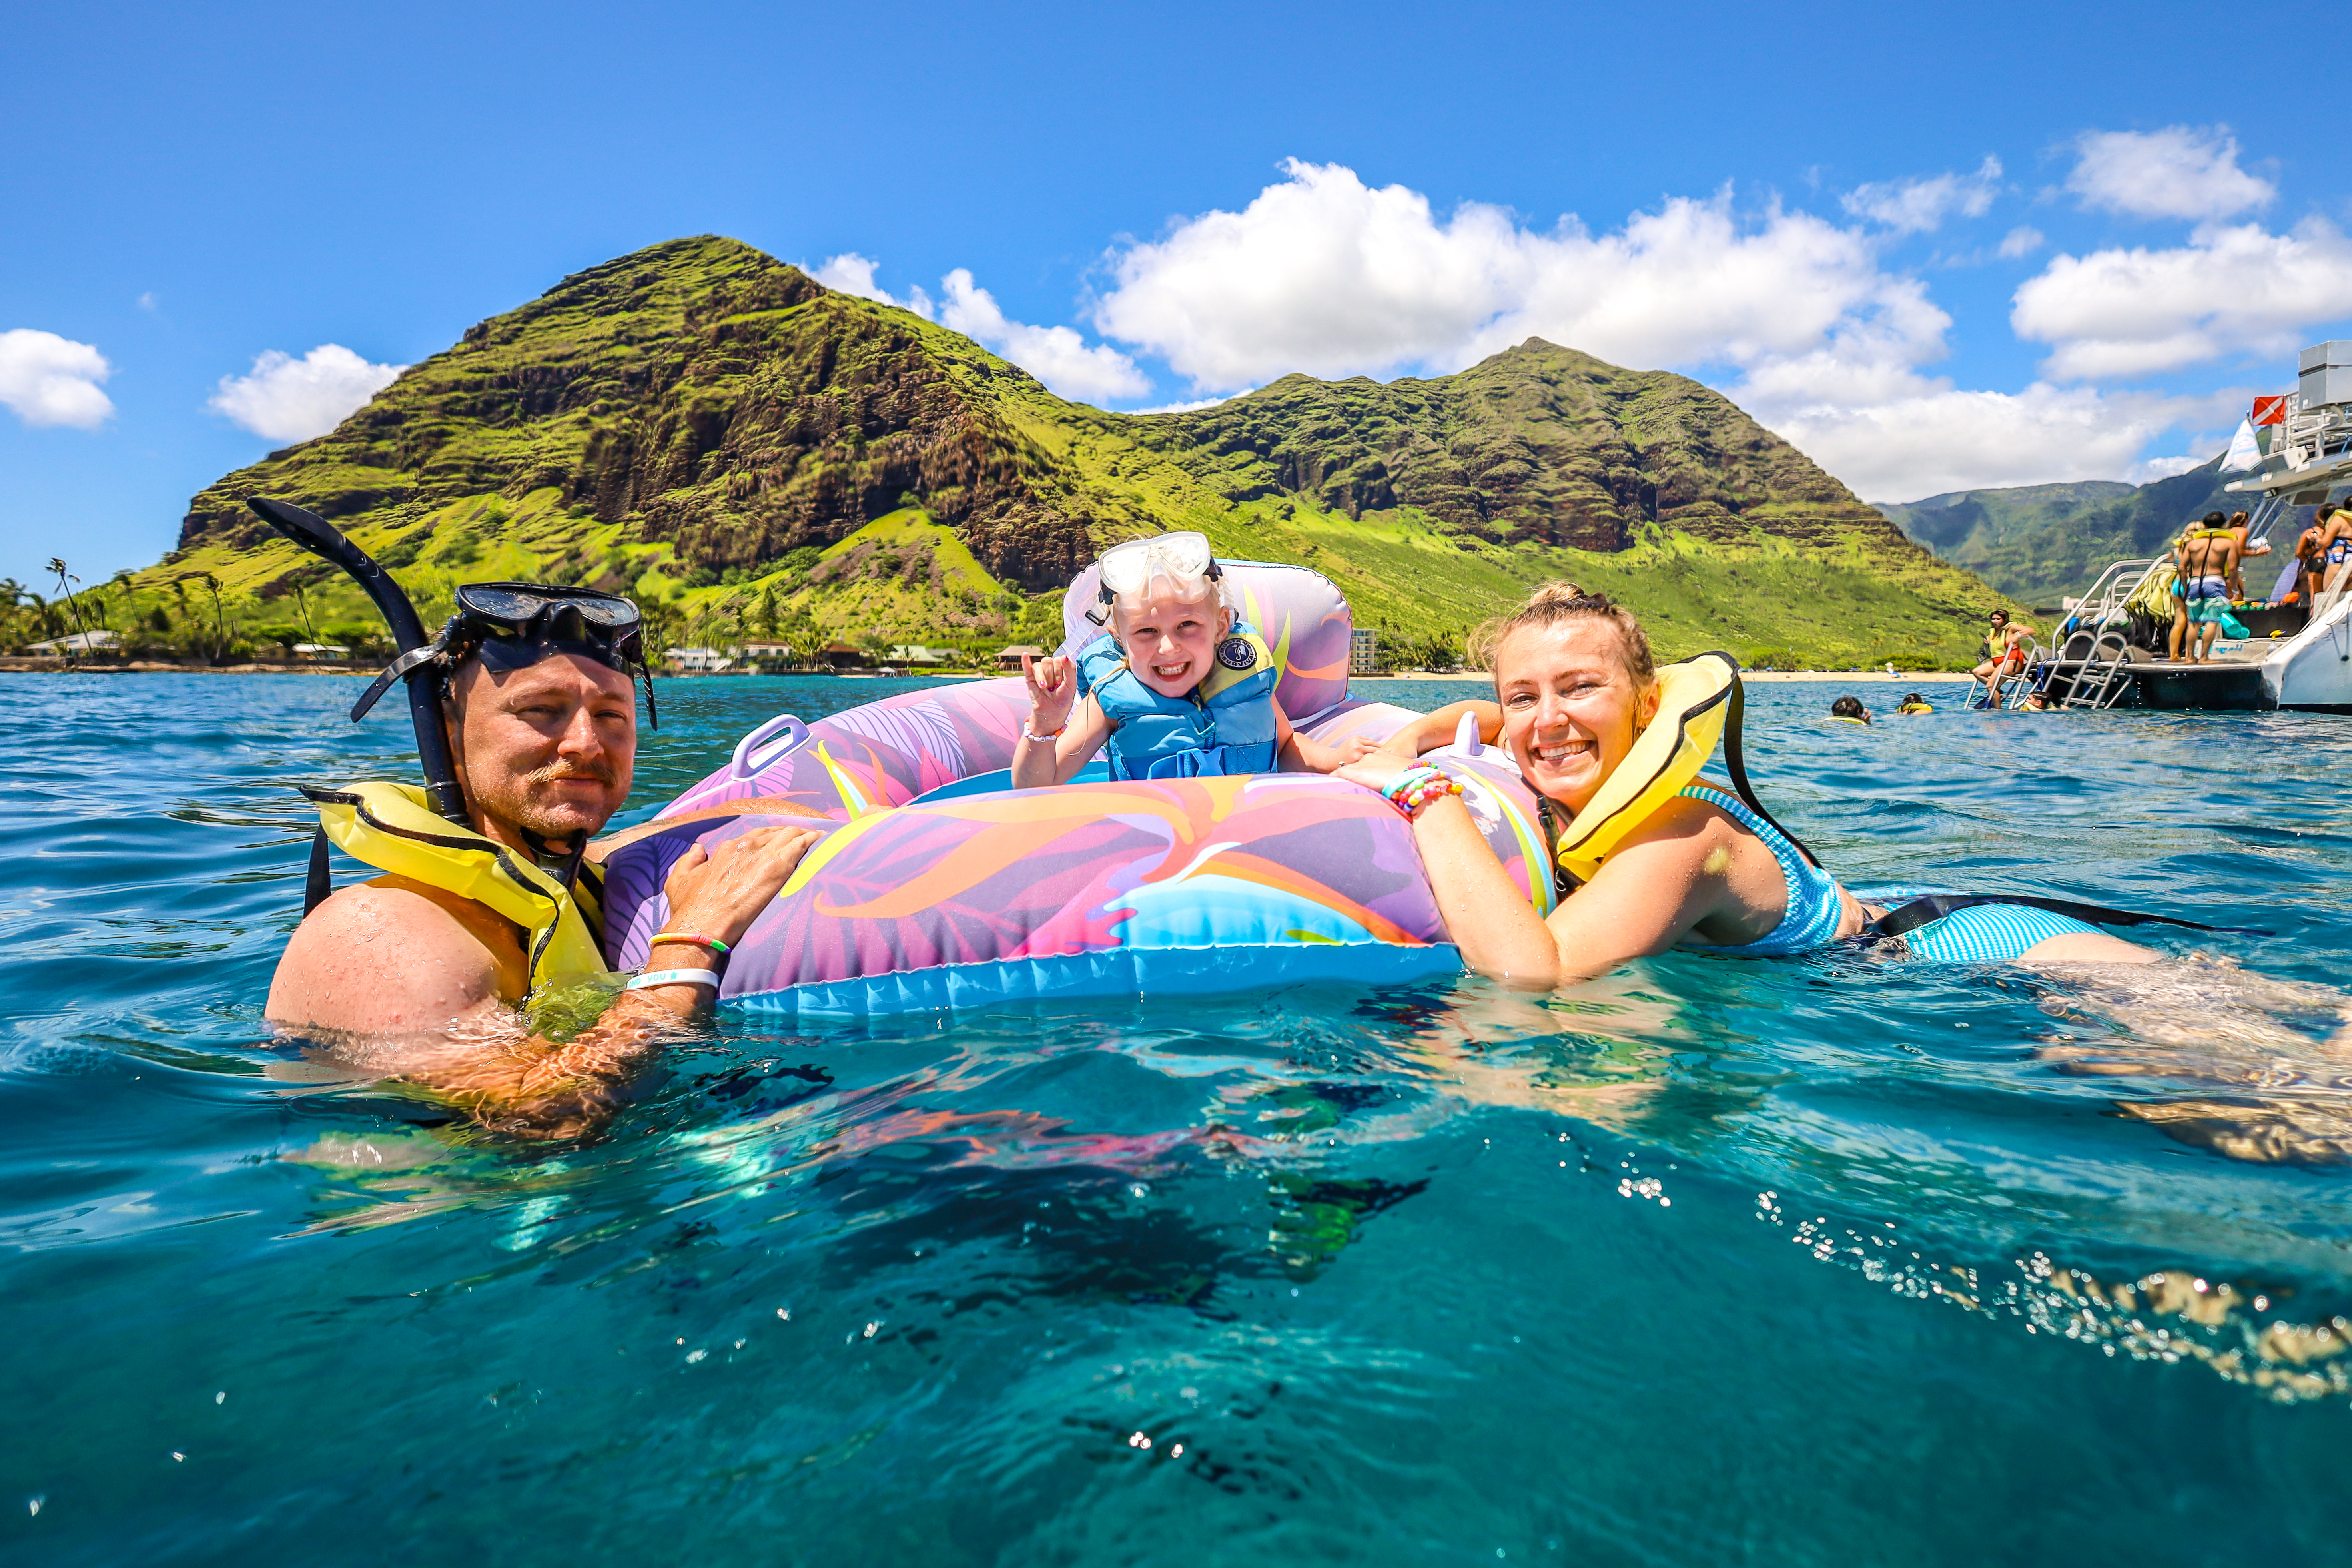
(1052, 688)
(1376, 770)
(720, 894)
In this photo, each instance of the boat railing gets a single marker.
(2103, 604)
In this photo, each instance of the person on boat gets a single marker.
(2323, 548)
(1850, 710)
(2239, 525)
(419, 973)
(1914, 704)
(1177, 687)
(2005, 651)
(1645, 866)
(2205, 559)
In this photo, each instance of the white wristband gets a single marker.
(674, 977)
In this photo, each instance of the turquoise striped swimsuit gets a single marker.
(1813, 912)
(1984, 934)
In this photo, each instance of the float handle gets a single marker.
(748, 763)
(1465, 736)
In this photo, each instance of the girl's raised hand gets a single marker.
(1052, 690)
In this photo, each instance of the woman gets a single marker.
(2007, 658)
(1575, 686)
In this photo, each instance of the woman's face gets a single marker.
(1570, 709)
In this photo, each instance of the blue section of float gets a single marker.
(1095, 771)
(1121, 972)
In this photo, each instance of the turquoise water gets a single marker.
(1773, 1263)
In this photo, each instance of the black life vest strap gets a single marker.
(321, 879)
(1909, 917)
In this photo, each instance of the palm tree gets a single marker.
(213, 586)
(73, 607)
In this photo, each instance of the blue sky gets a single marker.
(1794, 203)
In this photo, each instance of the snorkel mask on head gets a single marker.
(1127, 569)
(513, 625)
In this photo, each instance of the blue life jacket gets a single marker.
(1226, 725)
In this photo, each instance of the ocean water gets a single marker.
(1785, 1262)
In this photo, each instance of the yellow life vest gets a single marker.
(1695, 700)
(392, 827)
(1915, 708)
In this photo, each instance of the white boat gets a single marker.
(2298, 656)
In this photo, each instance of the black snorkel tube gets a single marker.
(426, 681)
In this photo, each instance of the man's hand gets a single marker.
(1053, 689)
(720, 894)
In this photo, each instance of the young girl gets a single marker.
(1177, 688)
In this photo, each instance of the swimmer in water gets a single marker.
(1914, 704)
(1699, 868)
(408, 977)
(1850, 710)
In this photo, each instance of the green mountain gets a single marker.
(2039, 542)
(748, 453)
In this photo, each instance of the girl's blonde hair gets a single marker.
(1554, 603)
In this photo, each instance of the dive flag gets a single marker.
(2269, 411)
(2244, 451)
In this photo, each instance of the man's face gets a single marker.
(549, 748)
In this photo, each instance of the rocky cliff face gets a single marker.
(1539, 444)
(711, 396)
(717, 399)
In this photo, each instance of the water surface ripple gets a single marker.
(1772, 1262)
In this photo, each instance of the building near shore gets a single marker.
(919, 657)
(697, 660)
(1011, 657)
(76, 642)
(1364, 652)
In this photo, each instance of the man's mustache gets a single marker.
(600, 771)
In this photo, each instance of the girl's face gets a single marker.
(1171, 641)
(1570, 708)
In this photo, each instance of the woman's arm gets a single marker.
(1649, 894)
(1434, 730)
(1297, 754)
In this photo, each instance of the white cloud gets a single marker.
(48, 380)
(2230, 289)
(1937, 438)
(1918, 206)
(1323, 274)
(851, 273)
(286, 399)
(1055, 355)
(2020, 242)
(1194, 407)
(2182, 170)
(147, 301)
(2149, 469)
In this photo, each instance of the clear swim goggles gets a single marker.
(1126, 568)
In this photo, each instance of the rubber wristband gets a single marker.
(1048, 735)
(689, 939)
(674, 977)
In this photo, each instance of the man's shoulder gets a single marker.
(386, 954)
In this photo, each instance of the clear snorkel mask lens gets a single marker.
(1127, 569)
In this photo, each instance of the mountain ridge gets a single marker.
(714, 431)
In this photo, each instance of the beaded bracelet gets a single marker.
(690, 939)
(1416, 787)
(1041, 739)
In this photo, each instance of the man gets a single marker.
(2205, 559)
(418, 981)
